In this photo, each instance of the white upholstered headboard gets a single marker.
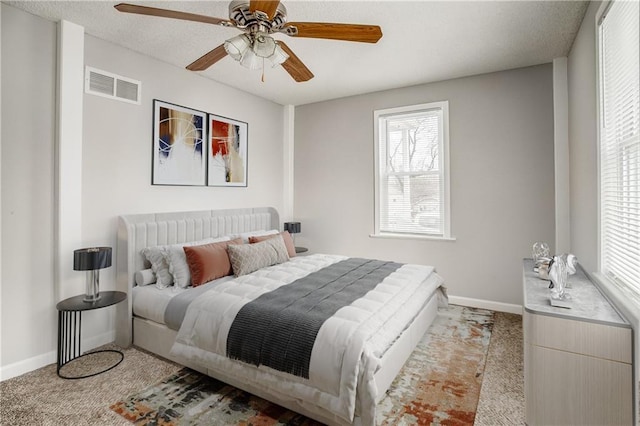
(138, 231)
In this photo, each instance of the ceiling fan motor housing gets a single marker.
(240, 14)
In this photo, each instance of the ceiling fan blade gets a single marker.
(166, 13)
(294, 66)
(208, 59)
(269, 7)
(347, 32)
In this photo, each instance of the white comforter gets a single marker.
(348, 346)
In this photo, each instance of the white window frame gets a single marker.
(629, 297)
(380, 138)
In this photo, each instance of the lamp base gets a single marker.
(90, 298)
(92, 289)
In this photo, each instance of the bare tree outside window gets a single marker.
(411, 180)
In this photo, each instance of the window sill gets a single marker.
(625, 301)
(411, 237)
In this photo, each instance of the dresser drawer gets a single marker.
(581, 337)
(564, 388)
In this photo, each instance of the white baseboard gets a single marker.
(486, 304)
(21, 367)
(39, 361)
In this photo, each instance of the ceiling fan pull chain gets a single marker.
(262, 79)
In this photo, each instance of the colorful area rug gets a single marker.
(439, 384)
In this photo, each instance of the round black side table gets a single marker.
(70, 325)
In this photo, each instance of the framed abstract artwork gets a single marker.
(227, 152)
(179, 154)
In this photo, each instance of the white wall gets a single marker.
(116, 173)
(583, 123)
(502, 178)
(0, 185)
(28, 134)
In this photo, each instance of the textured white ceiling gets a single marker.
(423, 41)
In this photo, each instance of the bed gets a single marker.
(337, 367)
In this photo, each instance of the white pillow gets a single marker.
(177, 260)
(159, 266)
(246, 258)
(145, 277)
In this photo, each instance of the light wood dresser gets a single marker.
(577, 362)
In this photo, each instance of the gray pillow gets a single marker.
(247, 258)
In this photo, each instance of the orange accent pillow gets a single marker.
(209, 261)
(286, 236)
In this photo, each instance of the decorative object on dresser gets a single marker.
(92, 259)
(557, 270)
(578, 366)
(558, 274)
(540, 251)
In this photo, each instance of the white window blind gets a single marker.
(412, 170)
(619, 80)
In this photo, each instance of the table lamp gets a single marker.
(293, 228)
(92, 260)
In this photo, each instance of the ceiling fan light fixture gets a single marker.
(252, 50)
(278, 57)
(238, 46)
(263, 45)
(251, 61)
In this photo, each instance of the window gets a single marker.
(619, 143)
(412, 171)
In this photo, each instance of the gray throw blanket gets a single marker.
(278, 329)
(177, 307)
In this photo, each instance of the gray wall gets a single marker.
(116, 172)
(502, 178)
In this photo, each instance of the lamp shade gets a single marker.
(263, 45)
(292, 227)
(251, 61)
(278, 57)
(92, 258)
(237, 46)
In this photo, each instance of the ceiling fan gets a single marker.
(258, 20)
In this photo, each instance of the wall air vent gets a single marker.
(109, 85)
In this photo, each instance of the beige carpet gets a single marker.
(502, 393)
(42, 398)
